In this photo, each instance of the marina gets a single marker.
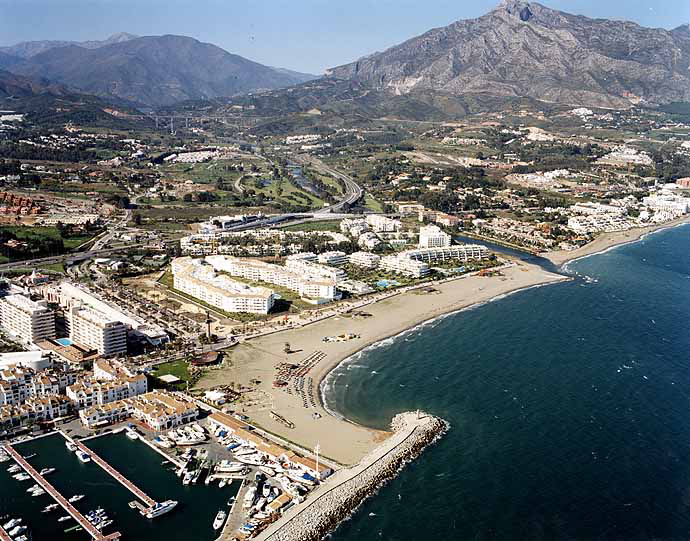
(192, 518)
(94, 532)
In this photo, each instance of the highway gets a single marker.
(353, 192)
(67, 258)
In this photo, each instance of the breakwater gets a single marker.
(340, 496)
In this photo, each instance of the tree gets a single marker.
(287, 349)
(137, 219)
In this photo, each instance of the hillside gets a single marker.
(27, 49)
(154, 71)
(523, 49)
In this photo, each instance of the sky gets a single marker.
(303, 35)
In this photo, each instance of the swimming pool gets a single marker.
(64, 341)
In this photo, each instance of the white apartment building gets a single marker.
(334, 258)
(158, 409)
(404, 265)
(366, 260)
(97, 330)
(668, 203)
(303, 256)
(308, 285)
(383, 224)
(461, 252)
(199, 279)
(27, 320)
(68, 296)
(368, 240)
(87, 393)
(315, 270)
(431, 236)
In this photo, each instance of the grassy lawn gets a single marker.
(179, 369)
(371, 203)
(323, 225)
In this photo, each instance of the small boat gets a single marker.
(49, 508)
(14, 468)
(268, 471)
(266, 491)
(223, 482)
(131, 433)
(84, 457)
(231, 501)
(46, 471)
(34, 487)
(11, 524)
(22, 538)
(219, 520)
(76, 498)
(17, 530)
(27, 457)
(64, 518)
(249, 498)
(38, 492)
(22, 476)
(188, 476)
(71, 446)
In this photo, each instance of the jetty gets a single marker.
(150, 502)
(94, 532)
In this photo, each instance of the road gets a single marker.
(67, 258)
(353, 192)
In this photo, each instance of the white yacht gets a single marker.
(159, 509)
(219, 520)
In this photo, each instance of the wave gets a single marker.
(328, 382)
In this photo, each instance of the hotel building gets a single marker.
(199, 279)
(311, 287)
(431, 236)
(97, 330)
(25, 319)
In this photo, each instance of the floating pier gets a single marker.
(50, 489)
(150, 502)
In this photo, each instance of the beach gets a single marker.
(609, 240)
(341, 441)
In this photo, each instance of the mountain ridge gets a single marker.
(524, 49)
(153, 71)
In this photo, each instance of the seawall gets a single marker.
(345, 491)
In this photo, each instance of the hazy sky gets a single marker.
(304, 35)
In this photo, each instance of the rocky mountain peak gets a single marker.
(518, 8)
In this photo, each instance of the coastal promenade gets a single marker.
(94, 532)
(150, 502)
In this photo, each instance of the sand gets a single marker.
(609, 240)
(342, 441)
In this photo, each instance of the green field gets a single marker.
(323, 225)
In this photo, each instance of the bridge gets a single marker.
(150, 502)
(94, 532)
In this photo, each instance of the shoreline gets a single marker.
(606, 241)
(342, 440)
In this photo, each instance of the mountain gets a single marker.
(7, 60)
(154, 71)
(27, 49)
(16, 86)
(523, 49)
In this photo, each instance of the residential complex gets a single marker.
(27, 320)
(311, 286)
(158, 409)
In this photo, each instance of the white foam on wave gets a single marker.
(328, 382)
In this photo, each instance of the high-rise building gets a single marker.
(27, 320)
(97, 330)
(431, 236)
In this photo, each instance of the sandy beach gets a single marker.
(609, 240)
(340, 440)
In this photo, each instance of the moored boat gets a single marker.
(219, 520)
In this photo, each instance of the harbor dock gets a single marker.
(150, 502)
(95, 533)
(4, 536)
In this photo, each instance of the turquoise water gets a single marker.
(191, 520)
(64, 341)
(569, 406)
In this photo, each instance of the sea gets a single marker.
(191, 520)
(569, 407)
